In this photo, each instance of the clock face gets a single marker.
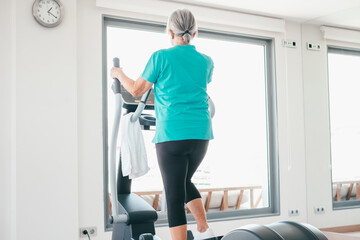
(48, 12)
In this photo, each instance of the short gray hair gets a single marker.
(182, 23)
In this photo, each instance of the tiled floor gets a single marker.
(342, 236)
(356, 234)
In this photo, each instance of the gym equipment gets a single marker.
(132, 217)
(284, 230)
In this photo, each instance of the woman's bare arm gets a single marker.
(135, 88)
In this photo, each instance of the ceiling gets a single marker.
(340, 13)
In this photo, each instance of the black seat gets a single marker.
(138, 210)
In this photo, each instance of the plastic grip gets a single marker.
(116, 62)
(116, 86)
(122, 218)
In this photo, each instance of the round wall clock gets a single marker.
(49, 13)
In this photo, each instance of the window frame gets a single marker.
(271, 113)
(344, 51)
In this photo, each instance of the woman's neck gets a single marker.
(178, 41)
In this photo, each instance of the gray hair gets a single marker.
(182, 23)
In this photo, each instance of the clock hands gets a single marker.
(51, 13)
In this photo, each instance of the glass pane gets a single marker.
(237, 157)
(236, 164)
(344, 88)
(126, 45)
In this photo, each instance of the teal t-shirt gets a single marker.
(180, 75)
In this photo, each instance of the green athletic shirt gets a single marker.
(180, 75)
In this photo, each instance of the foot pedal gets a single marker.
(190, 235)
(146, 236)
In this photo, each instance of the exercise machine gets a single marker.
(284, 230)
(132, 217)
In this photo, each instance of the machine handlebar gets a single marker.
(116, 86)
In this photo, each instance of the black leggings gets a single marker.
(178, 161)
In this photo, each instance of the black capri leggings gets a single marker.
(178, 161)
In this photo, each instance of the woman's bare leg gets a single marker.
(197, 209)
(179, 232)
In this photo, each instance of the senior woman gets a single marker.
(180, 76)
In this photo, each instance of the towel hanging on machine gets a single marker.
(133, 152)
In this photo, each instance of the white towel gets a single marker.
(133, 153)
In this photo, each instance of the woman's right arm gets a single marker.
(135, 88)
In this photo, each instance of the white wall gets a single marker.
(6, 126)
(43, 87)
(291, 124)
(90, 134)
(56, 84)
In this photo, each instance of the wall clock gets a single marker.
(48, 13)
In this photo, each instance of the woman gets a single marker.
(180, 76)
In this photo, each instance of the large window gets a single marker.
(238, 176)
(344, 89)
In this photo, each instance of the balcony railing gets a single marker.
(216, 199)
(344, 190)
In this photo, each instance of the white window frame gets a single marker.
(339, 205)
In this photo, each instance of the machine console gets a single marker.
(131, 103)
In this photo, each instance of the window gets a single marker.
(344, 88)
(238, 177)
